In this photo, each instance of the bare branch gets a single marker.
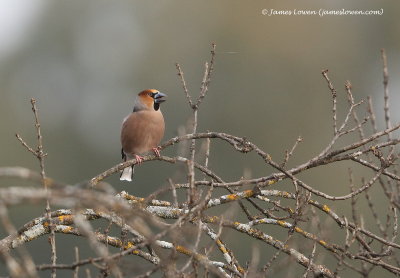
(187, 237)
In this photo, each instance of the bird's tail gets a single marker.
(127, 174)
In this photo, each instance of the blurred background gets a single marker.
(85, 61)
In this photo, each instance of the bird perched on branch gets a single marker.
(143, 129)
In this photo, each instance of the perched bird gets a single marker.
(143, 129)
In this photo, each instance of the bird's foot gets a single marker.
(157, 151)
(139, 159)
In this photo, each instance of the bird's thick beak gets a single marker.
(158, 97)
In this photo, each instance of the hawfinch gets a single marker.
(143, 129)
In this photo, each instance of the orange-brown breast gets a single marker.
(142, 131)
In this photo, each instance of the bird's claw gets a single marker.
(139, 159)
(157, 151)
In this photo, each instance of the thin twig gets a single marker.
(76, 268)
(386, 90)
(334, 101)
(288, 154)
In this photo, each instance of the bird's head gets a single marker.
(149, 99)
